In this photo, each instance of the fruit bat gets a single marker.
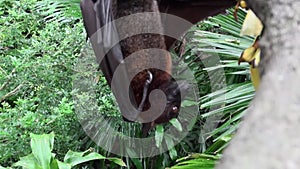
(99, 13)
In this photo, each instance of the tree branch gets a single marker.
(11, 93)
(268, 137)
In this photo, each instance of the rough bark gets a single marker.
(269, 136)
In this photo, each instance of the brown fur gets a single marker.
(139, 42)
(191, 10)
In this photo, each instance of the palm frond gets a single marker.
(202, 161)
(59, 10)
(230, 102)
(224, 86)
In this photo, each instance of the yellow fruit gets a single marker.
(255, 77)
(248, 55)
(252, 25)
(252, 56)
(256, 60)
(243, 4)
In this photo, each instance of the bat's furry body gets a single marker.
(97, 13)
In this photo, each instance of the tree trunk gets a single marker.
(269, 136)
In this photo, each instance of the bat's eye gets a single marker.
(175, 109)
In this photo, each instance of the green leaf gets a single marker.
(159, 135)
(118, 161)
(219, 145)
(41, 146)
(62, 165)
(75, 158)
(187, 103)
(170, 144)
(176, 124)
(28, 162)
(173, 153)
(54, 163)
(202, 161)
(137, 163)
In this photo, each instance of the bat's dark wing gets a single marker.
(98, 14)
(192, 11)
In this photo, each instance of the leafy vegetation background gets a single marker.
(36, 61)
(40, 42)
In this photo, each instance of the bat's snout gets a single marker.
(175, 92)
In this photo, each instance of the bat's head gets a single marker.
(175, 92)
(156, 107)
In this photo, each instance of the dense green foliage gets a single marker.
(231, 100)
(224, 87)
(40, 42)
(36, 60)
(42, 156)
